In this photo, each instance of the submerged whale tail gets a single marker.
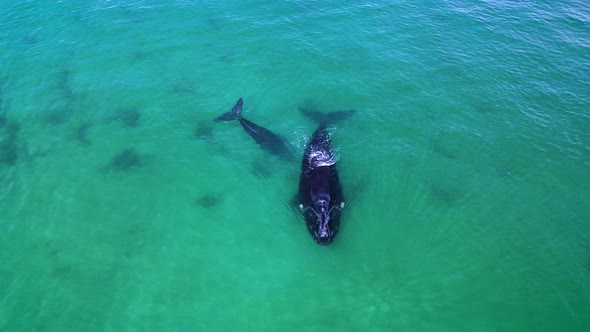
(234, 114)
(326, 118)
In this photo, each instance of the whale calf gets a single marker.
(266, 139)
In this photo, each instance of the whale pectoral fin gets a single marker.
(354, 192)
(294, 202)
(261, 168)
(296, 207)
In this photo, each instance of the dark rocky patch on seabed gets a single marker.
(208, 201)
(125, 160)
(129, 117)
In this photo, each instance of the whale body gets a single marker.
(320, 198)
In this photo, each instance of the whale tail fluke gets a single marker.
(234, 114)
(326, 118)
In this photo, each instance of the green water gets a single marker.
(466, 166)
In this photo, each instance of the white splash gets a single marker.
(322, 158)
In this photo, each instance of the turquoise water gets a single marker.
(123, 207)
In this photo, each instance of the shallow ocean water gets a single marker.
(123, 207)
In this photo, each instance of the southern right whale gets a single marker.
(266, 139)
(320, 197)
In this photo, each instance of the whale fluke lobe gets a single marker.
(234, 114)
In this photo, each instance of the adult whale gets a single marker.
(266, 139)
(320, 196)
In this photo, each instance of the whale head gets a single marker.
(323, 221)
(323, 235)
